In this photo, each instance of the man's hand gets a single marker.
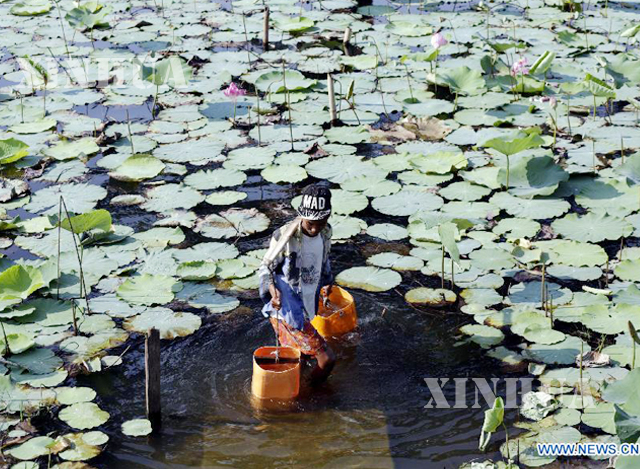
(275, 296)
(327, 292)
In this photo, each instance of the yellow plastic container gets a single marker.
(339, 317)
(276, 380)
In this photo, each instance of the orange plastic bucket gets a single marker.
(276, 380)
(339, 317)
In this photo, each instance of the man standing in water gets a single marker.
(293, 271)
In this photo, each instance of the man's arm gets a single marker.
(265, 273)
(328, 278)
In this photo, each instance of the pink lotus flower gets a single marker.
(520, 67)
(233, 91)
(549, 100)
(438, 40)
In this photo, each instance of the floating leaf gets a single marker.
(94, 220)
(12, 150)
(369, 278)
(83, 415)
(169, 323)
(138, 168)
(148, 289)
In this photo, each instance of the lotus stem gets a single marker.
(75, 320)
(133, 152)
(506, 436)
(542, 298)
(622, 149)
(621, 248)
(581, 358)
(435, 71)
(258, 117)
(332, 99)
(83, 286)
(6, 341)
(64, 35)
(633, 358)
(21, 108)
(288, 100)
(246, 38)
(155, 102)
(59, 233)
(413, 100)
(453, 283)
(507, 171)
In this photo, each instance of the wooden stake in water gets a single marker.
(265, 32)
(347, 36)
(152, 378)
(332, 99)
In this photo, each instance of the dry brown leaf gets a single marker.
(426, 128)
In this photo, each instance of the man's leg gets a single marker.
(326, 360)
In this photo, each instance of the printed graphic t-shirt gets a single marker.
(310, 266)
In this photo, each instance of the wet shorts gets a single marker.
(307, 340)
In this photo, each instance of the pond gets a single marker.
(484, 167)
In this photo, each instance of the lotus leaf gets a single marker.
(274, 81)
(434, 297)
(343, 168)
(214, 179)
(12, 150)
(537, 405)
(387, 231)
(369, 278)
(284, 173)
(32, 449)
(591, 227)
(79, 198)
(138, 167)
(83, 415)
(169, 323)
(77, 449)
(68, 396)
(406, 202)
(148, 289)
(205, 296)
(136, 427)
(463, 80)
(561, 353)
(345, 227)
(232, 223)
(66, 150)
(484, 336)
(395, 261)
